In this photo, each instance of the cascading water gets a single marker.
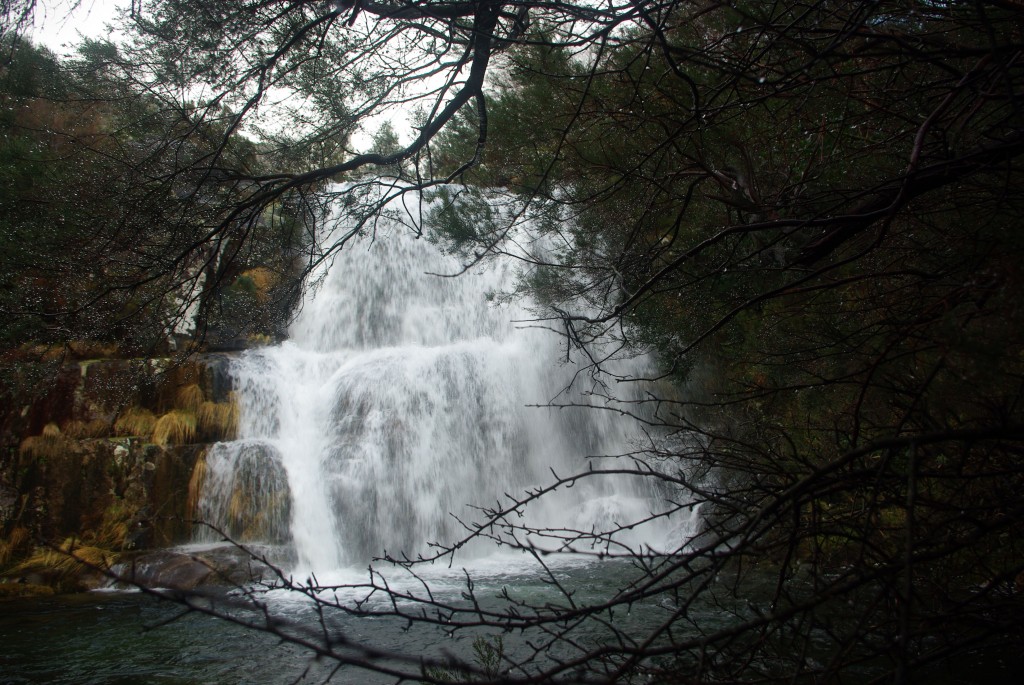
(400, 399)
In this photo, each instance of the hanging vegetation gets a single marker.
(136, 422)
(175, 427)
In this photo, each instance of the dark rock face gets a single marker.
(8, 502)
(107, 385)
(169, 515)
(90, 390)
(103, 484)
(24, 591)
(216, 379)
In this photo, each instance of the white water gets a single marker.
(400, 399)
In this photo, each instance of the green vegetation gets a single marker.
(820, 249)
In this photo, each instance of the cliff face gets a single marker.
(105, 455)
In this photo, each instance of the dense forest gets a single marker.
(807, 212)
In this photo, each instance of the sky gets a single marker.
(60, 29)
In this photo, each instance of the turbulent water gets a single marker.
(400, 400)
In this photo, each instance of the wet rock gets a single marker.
(181, 570)
(164, 570)
(217, 383)
(228, 343)
(58, 482)
(169, 504)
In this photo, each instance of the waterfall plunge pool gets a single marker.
(116, 637)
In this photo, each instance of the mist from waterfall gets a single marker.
(401, 400)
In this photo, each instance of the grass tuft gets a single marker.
(219, 419)
(135, 421)
(97, 428)
(43, 447)
(10, 547)
(112, 532)
(176, 426)
(70, 559)
(93, 349)
(74, 429)
(196, 483)
(189, 398)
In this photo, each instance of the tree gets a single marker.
(806, 209)
(104, 239)
(16, 14)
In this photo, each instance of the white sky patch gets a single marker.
(60, 25)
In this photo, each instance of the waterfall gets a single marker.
(400, 400)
